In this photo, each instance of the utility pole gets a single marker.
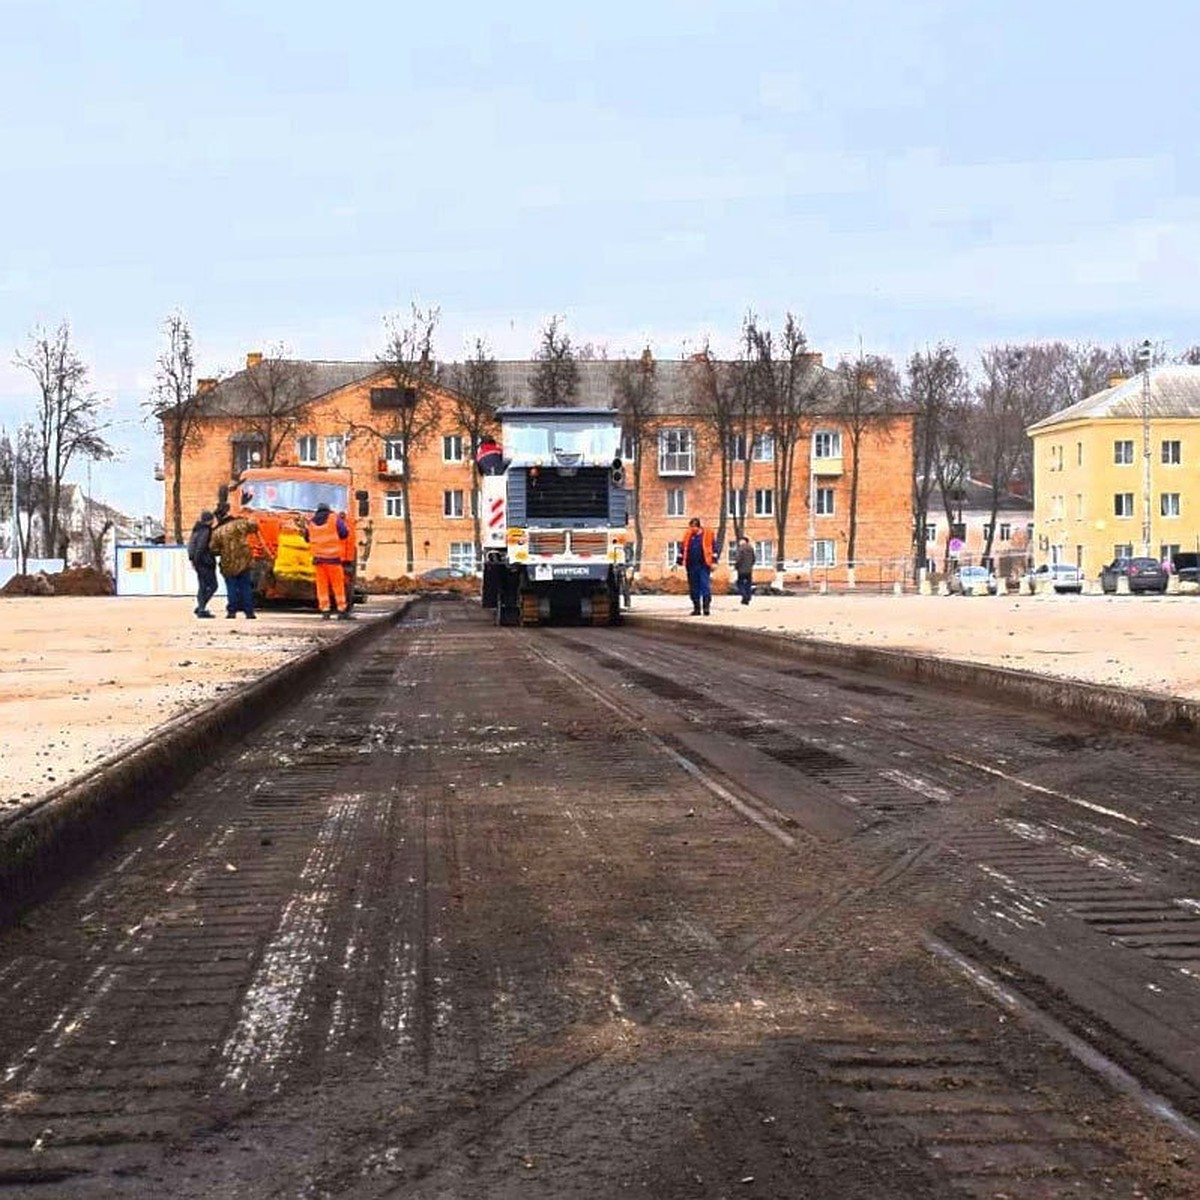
(1143, 357)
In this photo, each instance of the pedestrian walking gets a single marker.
(204, 562)
(743, 564)
(231, 543)
(326, 535)
(698, 554)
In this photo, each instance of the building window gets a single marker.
(958, 529)
(825, 504)
(1172, 453)
(1079, 454)
(676, 453)
(1168, 503)
(1123, 504)
(676, 500)
(335, 451)
(628, 447)
(987, 530)
(1005, 531)
(1123, 453)
(674, 553)
(764, 448)
(764, 553)
(462, 556)
(824, 552)
(452, 503)
(393, 453)
(1167, 551)
(452, 447)
(931, 532)
(827, 443)
(393, 504)
(737, 447)
(764, 502)
(246, 455)
(306, 449)
(735, 502)
(1123, 550)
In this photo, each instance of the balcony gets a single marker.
(827, 466)
(390, 468)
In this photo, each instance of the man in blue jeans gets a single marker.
(698, 554)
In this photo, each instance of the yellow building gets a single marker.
(1119, 472)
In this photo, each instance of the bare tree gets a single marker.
(408, 410)
(789, 387)
(715, 396)
(555, 381)
(635, 386)
(936, 391)
(174, 404)
(1189, 357)
(67, 424)
(276, 391)
(475, 395)
(866, 397)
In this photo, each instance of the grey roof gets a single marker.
(977, 497)
(234, 396)
(1174, 392)
(319, 378)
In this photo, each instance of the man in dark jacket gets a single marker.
(204, 561)
(743, 564)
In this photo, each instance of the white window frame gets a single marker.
(393, 504)
(735, 502)
(628, 447)
(1122, 504)
(1168, 550)
(1168, 504)
(824, 504)
(452, 447)
(243, 456)
(764, 502)
(674, 550)
(393, 454)
(930, 531)
(737, 447)
(676, 451)
(763, 449)
(453, 506)
(461, 557)
(1172, 452)
(676, 502)
(1123, 452)
(1123, 550)
(764, 553)
(824, 552)
(827, 443)
(307, 449)
(335, 450)
(1005, 531)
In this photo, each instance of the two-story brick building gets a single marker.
(334, 414)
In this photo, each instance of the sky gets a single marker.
(288, 174)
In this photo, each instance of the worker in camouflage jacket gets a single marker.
(230, 541)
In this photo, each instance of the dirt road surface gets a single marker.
(591, 912)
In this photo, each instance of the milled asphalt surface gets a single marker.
(1126, 660)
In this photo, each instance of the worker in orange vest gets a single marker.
(698, 554)
(325, 535)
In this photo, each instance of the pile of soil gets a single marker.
(75, 581)
(381, 585)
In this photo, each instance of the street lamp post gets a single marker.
(1143, 357)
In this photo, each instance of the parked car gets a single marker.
(963, 581)
(1144, 575)
(1066, 577)
(1187, 566)
(442, 574)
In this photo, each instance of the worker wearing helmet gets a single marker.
(325, 535)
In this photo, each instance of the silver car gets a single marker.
(964, 580)
(1065, 577)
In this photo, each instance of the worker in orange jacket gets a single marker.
(698, 554)
(325, 535)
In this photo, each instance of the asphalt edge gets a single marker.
(1172, 717)
(42, 844)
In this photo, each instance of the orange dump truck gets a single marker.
(279, 500)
